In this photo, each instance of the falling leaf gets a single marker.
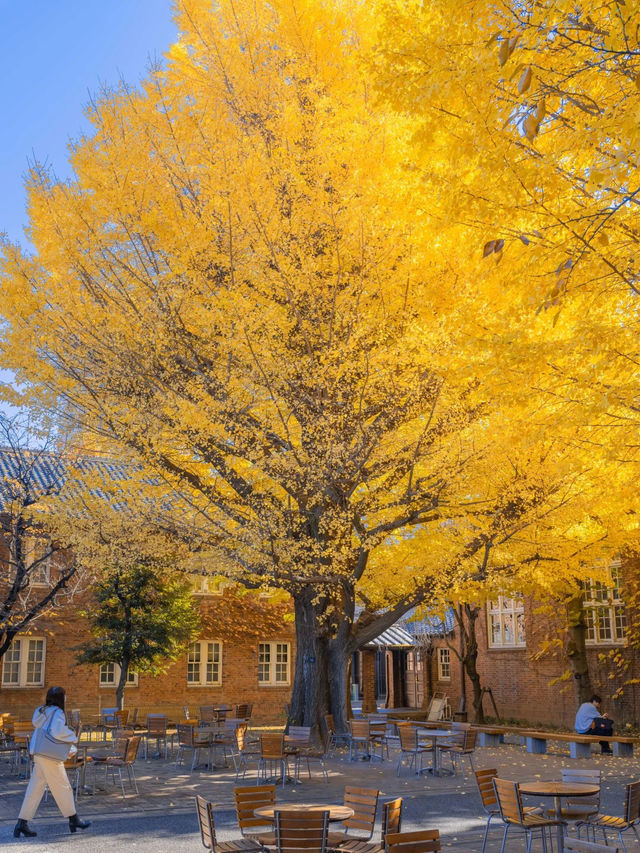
(525, 80)
(530, 125)
(541, 109)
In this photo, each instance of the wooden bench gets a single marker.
(579, 745)
(492, 735)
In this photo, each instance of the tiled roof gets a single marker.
(43, 472)
(432, 626)
(393, 638)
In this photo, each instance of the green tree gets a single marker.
(142, 619)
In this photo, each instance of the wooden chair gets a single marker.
(331, 729)
(232, 740)
(513, 814)
(156, 730)
(107, 719)
(247, 800)
(22, 731)
(188, 739)
(422, 841)
(301, 831)
(312, 753)
(208, 832)
(364, 802)
(462, 744)
(576, 845)
(272, 755)
(361, 740)
(484, 781)
(125, 762)
(248, 751)
(391, 824)
(207, 714)
(378, 732)
(409, 746)
(617, 824)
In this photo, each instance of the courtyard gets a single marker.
(163, 818)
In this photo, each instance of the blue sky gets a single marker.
(54, 52)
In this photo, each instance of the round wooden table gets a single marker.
(336, 813)
(558, 790)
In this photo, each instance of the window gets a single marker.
(34, 550)
(204, 663)
(23, 663)
(603, 609)
(444, 665)
(506, 622)
(110, 675)
(273, 664)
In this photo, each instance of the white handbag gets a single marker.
(44, 743)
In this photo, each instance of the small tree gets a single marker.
(142, 619)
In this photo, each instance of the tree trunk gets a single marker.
(471, 661)
(309, 695)
(124, 672)
(338, 683)
(577, 648)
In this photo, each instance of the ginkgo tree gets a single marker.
(527, 135)
(240, 287)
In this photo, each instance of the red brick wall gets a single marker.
(169, 691)
(530, 686)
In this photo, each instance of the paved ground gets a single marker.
(162, 818)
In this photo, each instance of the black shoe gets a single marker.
(22, 828)
(76, 823)
(606, 750)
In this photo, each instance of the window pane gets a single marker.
(496, 636)
(264, 662)
(11, 664)
(193, 664)
(107, 673)
(604, 624)
(34, 662)
(213, 663)
(507, 626)
(282, 657)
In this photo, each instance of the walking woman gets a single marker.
(49, 720)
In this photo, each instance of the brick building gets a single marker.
(522, 659)
(245, 654)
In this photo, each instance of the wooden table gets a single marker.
(336, 813)
(558, 790)
(433, 735)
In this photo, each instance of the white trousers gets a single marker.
(47, 771)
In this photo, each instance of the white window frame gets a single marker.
(505, 623)
(444, 664)
(132, 676)
(270, 663)
(604, 612)
(24, 649)
(202, 647)
(33, 546)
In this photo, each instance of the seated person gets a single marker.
(589, 720)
